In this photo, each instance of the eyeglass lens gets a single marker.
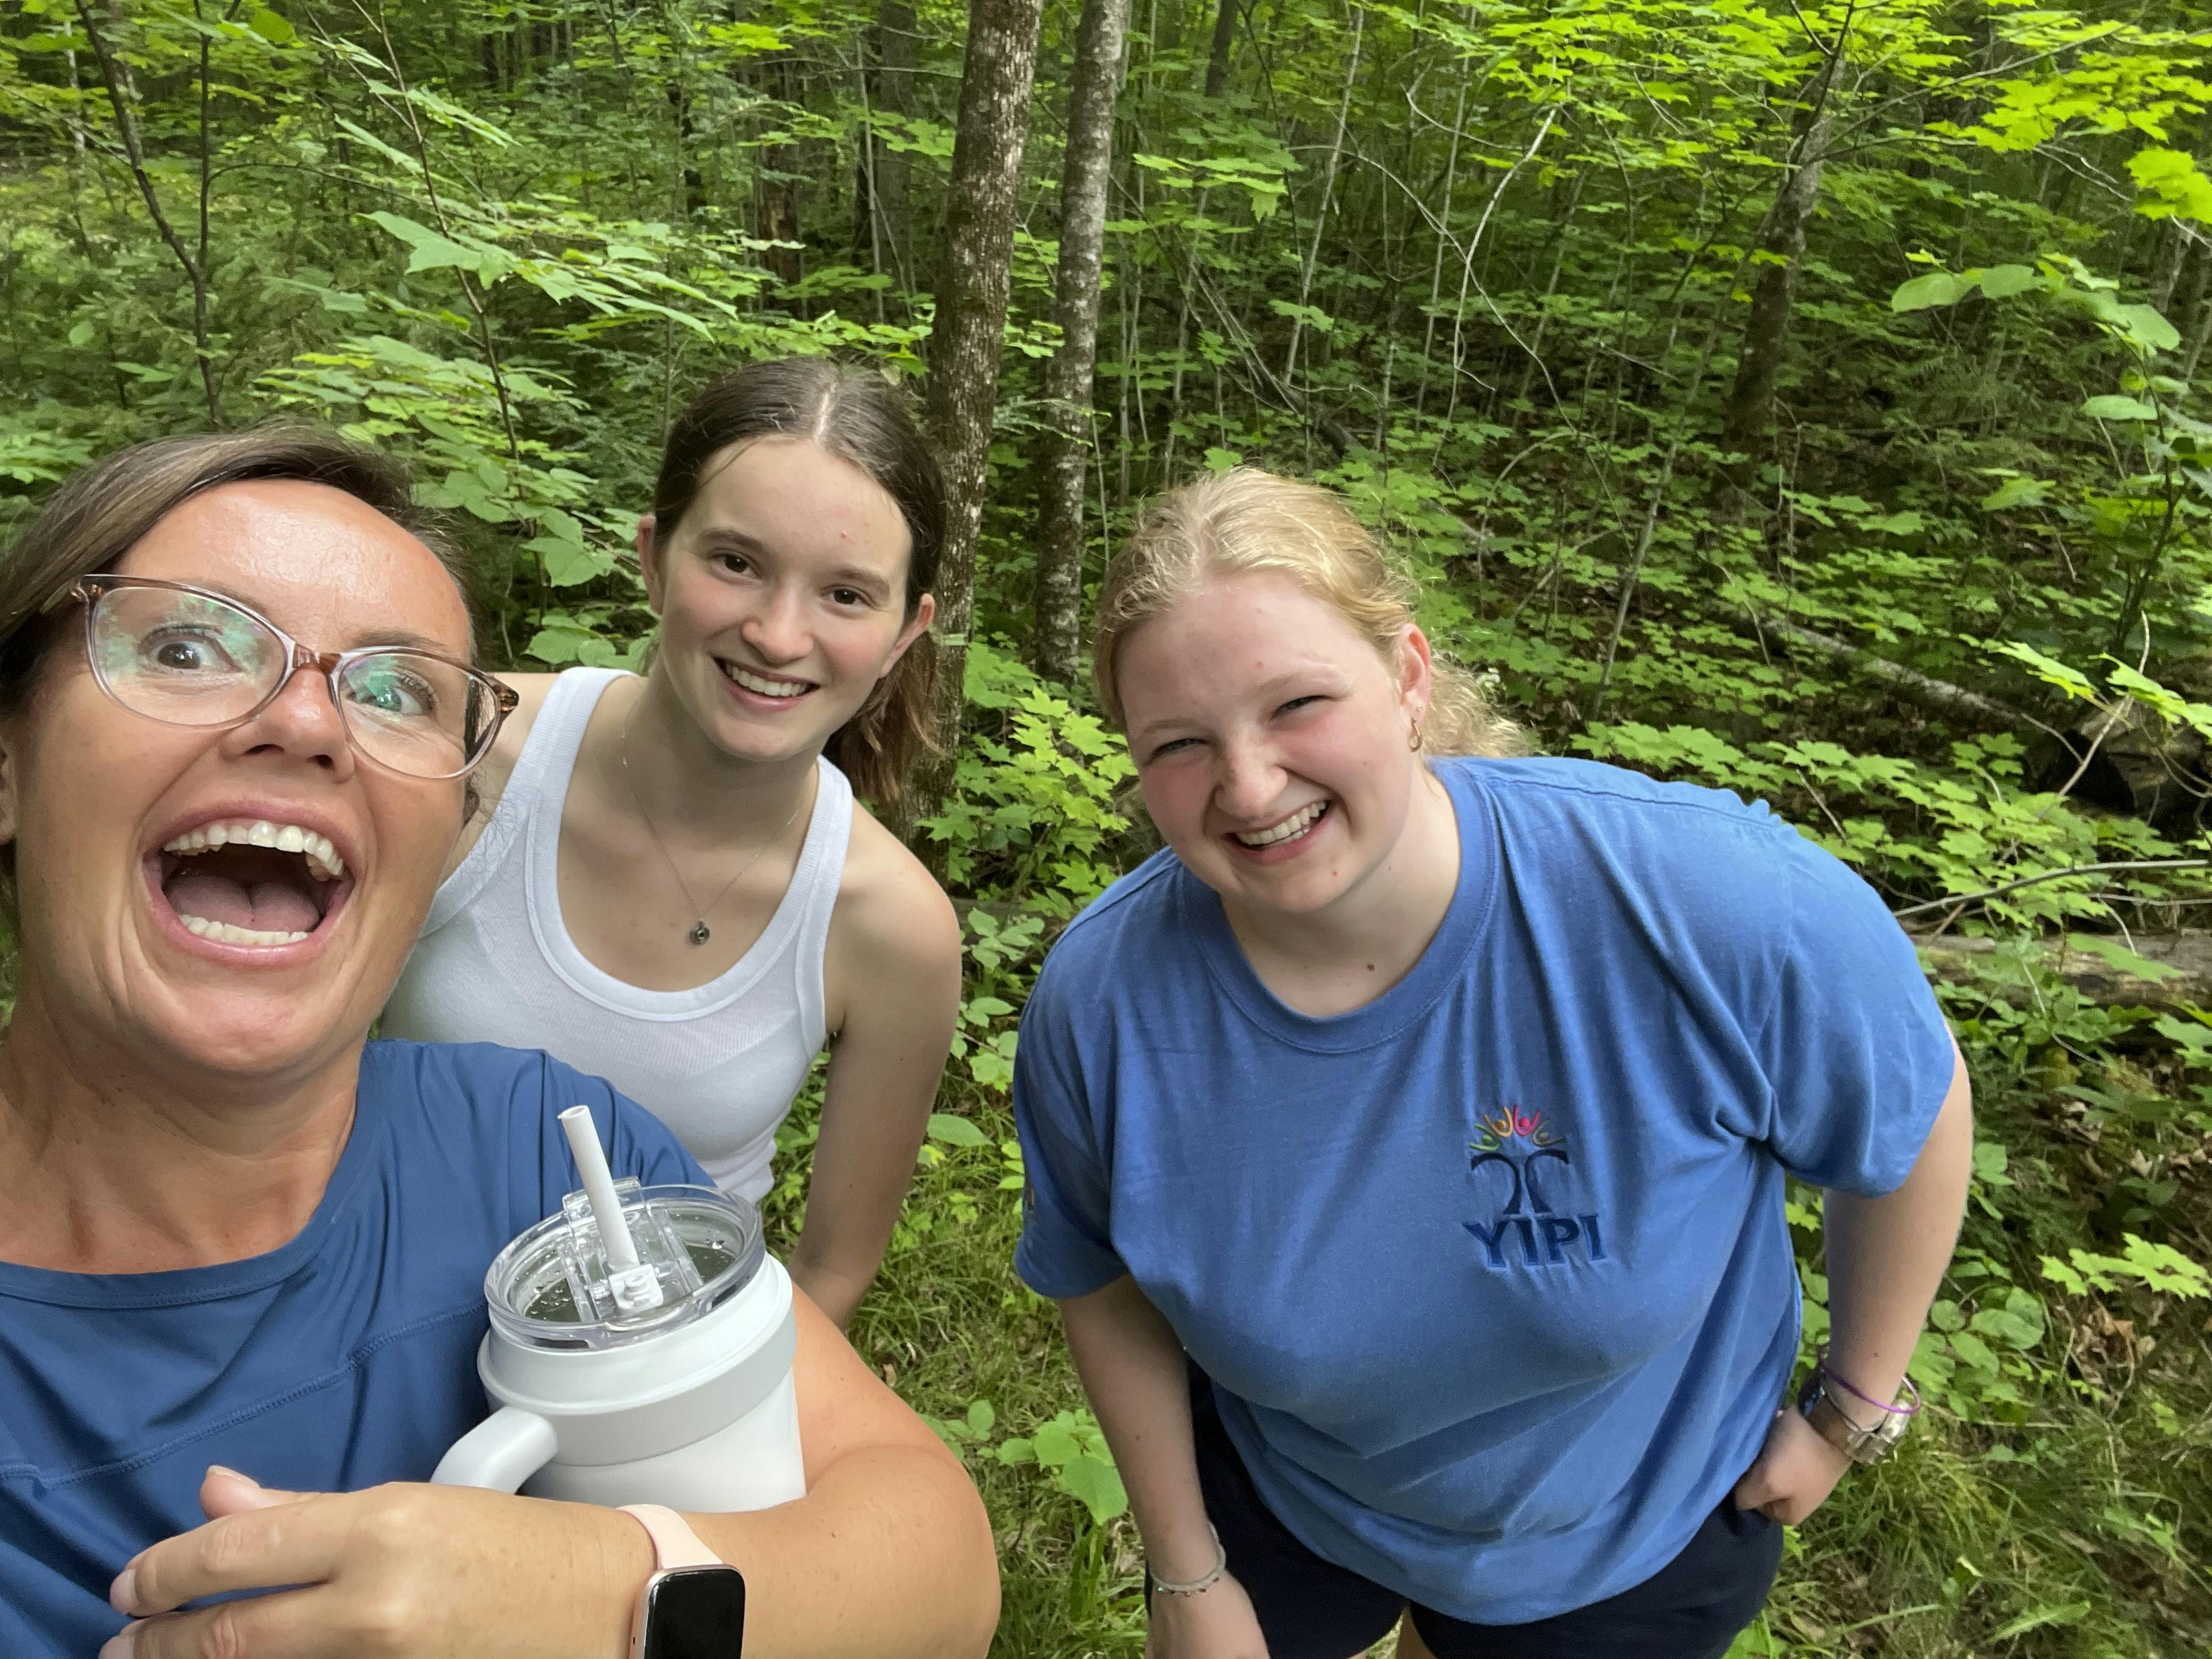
(194, 659)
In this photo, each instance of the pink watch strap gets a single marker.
(673, 1540)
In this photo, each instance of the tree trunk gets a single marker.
(776, 178)
(1224, 42)
(1781, 239)
(2172, 254)
(886, 235)
(1096, 79)
(968, 335)
(122, 98)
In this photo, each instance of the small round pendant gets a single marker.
(699, 933)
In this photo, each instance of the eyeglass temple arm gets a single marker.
(72, 589)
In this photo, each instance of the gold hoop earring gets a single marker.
(1413, 742)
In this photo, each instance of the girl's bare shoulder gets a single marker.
(888, 906)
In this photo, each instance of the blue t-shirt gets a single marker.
(342, 1359)
(1491, 1275)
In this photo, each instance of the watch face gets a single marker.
(696, 1613)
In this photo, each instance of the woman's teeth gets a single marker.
(764, 686)
(323, 859)
(223, 933)
(1297, 824)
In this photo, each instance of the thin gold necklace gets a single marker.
(699, 933)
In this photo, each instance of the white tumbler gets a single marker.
(646, 1360)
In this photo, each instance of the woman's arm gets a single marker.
(1133, 1367)
(1886, 1259)
(892, 978)
(1886, 1255)
(889, 1554)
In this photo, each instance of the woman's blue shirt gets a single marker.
(1493, 1275)
(345, 1359)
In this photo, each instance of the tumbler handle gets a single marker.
(500, 1453)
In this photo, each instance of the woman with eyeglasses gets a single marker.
(242, 1248)
(674, 887)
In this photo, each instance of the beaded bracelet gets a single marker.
(1205, 1580)
(1906, 1387)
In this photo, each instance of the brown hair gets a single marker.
(862, 419)
(102, 512)
(106, 510)
(1247, 520)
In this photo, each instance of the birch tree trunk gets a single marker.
(1781, 239)
(965, 340)
(1056, 628)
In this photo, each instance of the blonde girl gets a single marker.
(1408, 1138)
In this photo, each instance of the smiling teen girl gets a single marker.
(674, 888)
(1408, 1138)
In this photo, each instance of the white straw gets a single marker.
(599, 1188)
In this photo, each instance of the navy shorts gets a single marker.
(1691, 1608)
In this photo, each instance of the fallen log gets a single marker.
(2175, 970)
(1922, 691)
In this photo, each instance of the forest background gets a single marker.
(1800, 398)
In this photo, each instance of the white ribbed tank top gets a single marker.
(718, 1064)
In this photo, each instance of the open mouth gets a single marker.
(251, 881)
(1299, 824)
(762, 685)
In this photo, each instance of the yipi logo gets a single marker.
(1522, 1143)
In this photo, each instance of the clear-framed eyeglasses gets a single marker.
(184, 656)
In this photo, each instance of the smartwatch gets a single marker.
(693, 1606)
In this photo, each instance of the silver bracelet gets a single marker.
(1205, 1580)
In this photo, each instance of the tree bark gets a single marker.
(1095, 80)
(1782, 240)
(968, 335)
(1224, 42)
(123, 97)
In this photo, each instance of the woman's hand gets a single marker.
(1217, 1623)
(430, 1572)
(1796, 1471)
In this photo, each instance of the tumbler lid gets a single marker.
(553, 1287)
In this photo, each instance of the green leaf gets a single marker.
(2015, 492)
(955, 1131)
(981, 1417)
(1937, 287)
(2170, 185)
(2002, 282)
(81, 334)
(1056, 1443)
(2113, 954)
(566, 563)
(2067, 1613)
(1097, 1485)
(2114, 407)
(2146, 328)
(273, 28)
(432, 250)
(2163, 1267)
(2052, 672)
